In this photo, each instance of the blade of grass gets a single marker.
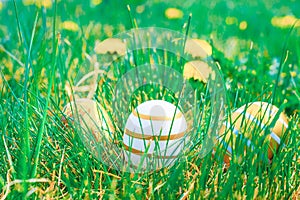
(24, 161)
(37, 148)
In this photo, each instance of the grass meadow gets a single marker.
(45, 48)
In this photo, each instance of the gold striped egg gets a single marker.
(92, 120)
(154, 135)
(250, 123)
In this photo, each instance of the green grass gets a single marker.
(39, 60)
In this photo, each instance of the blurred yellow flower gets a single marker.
(1, 5)
(285, 21)
(293, 74)
(70, 26)
(231, 20)
(108, 30)
(173, 13)
(96, 2)
(140, 9)
(28, 2)
(44, 3)
(283, 75)
(8, 64)
(38, 3)
(243, 25)
(19, 73)
(6, 78)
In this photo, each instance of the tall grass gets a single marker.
(43, 158)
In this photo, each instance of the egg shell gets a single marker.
(198, 70)
(198, 48)
(92, 120)
(253, 119)
(111, 45)
(148, 134)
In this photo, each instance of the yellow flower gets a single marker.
(173, 13)
(140, 9)
(231, 20)
(293, 74)
(284, 22)
(19, 73)
(7, 64)
(108, 30)
(283, 75)
(96, 2)
(38, 3)
(46, 3)
(28, 2)
(243, 25)
(70, 26)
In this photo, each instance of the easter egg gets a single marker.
(253, 125)
(154, 135)
(92, 121)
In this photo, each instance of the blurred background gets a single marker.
(248, 39)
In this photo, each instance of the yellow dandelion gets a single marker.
(173, 13)
(240, 86)
(70, 26)
(44, 3)
(231, 20)
(121, 27)
(7, 77)
(283, 75)
(243, 25)
(28, 2)
(293, 74)
(108, 30)
(140, 9)
(284, 22)
(96, 2)
(8, 64)
(18, 74)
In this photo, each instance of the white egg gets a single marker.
(154, 135)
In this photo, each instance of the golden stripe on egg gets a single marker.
(154, 137)
(256, 117)
(156, 118)
(263, 120)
